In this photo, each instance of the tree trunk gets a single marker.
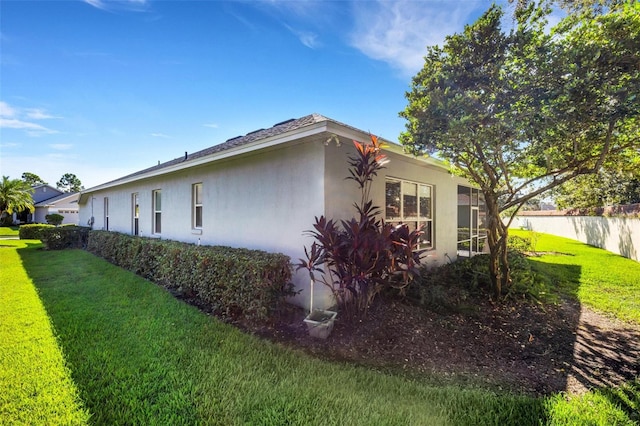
(499, 271)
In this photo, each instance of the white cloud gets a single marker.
(33, 129)
(23, 119)
(307, 38)
(10, 145)
(6, 110)
(38, 114)
(108, 5)
(211, 125)
(160, 135)
(398, 32)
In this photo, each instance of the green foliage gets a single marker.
(522, 112)
(69, 183)
(33, 231)
(232, 282)
(451, 286)
(520, 243)
(363, 255)
(65, 237)
(54, 219)
(6, 220)
(32, 179)
(15, 196)
(612, 185)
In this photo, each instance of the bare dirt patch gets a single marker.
(519, 346)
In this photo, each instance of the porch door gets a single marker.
(135, 209)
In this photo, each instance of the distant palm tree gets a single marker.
(15, 196)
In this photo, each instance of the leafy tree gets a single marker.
(32, 179)
(69, 183)
(614, 184)
(522, 112)
(15, 196)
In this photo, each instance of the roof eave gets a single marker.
(283, 138)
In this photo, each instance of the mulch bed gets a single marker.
(516, 346)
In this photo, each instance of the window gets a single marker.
(197, 205)
(410, 203)
(135, 214)
(106, 213)
(472, 216)
(157, 211)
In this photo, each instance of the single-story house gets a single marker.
(49, 200)
(263, 190)
(65, 204)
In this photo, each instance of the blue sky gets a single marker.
(104, 88)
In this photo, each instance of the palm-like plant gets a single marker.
(15, 196)
(360, 257)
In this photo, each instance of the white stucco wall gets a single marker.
(341, 194)
(267, 199)
(615, 234)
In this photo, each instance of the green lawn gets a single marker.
(35, 384)
(9, 231)
(129, 353)
(600, 279)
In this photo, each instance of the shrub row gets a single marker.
(65, 237)
(33, 232)
(231, 282)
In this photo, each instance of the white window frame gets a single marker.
(106, 214)
(195, 206)
(135, 214)
(471, 240)
(157, 212)
(422, 222)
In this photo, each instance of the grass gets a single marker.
(138, 356)
(602, 280)
(9, 231)
(35, 383)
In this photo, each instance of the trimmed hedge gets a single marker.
(33, 232)
(231, 282)
(65, 237)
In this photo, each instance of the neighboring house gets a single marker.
(65, 204)
(40, 193)
(263, 190)
(49, 200)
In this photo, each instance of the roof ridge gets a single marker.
(252, 136)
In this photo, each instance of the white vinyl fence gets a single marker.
(619, 235)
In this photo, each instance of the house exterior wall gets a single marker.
(341, 194)
(267, 199)
(264, 201)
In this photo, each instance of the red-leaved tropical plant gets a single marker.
(359, 257)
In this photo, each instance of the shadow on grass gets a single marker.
(125, 376)
(597, 354)
(77, 317)
(627, 398)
